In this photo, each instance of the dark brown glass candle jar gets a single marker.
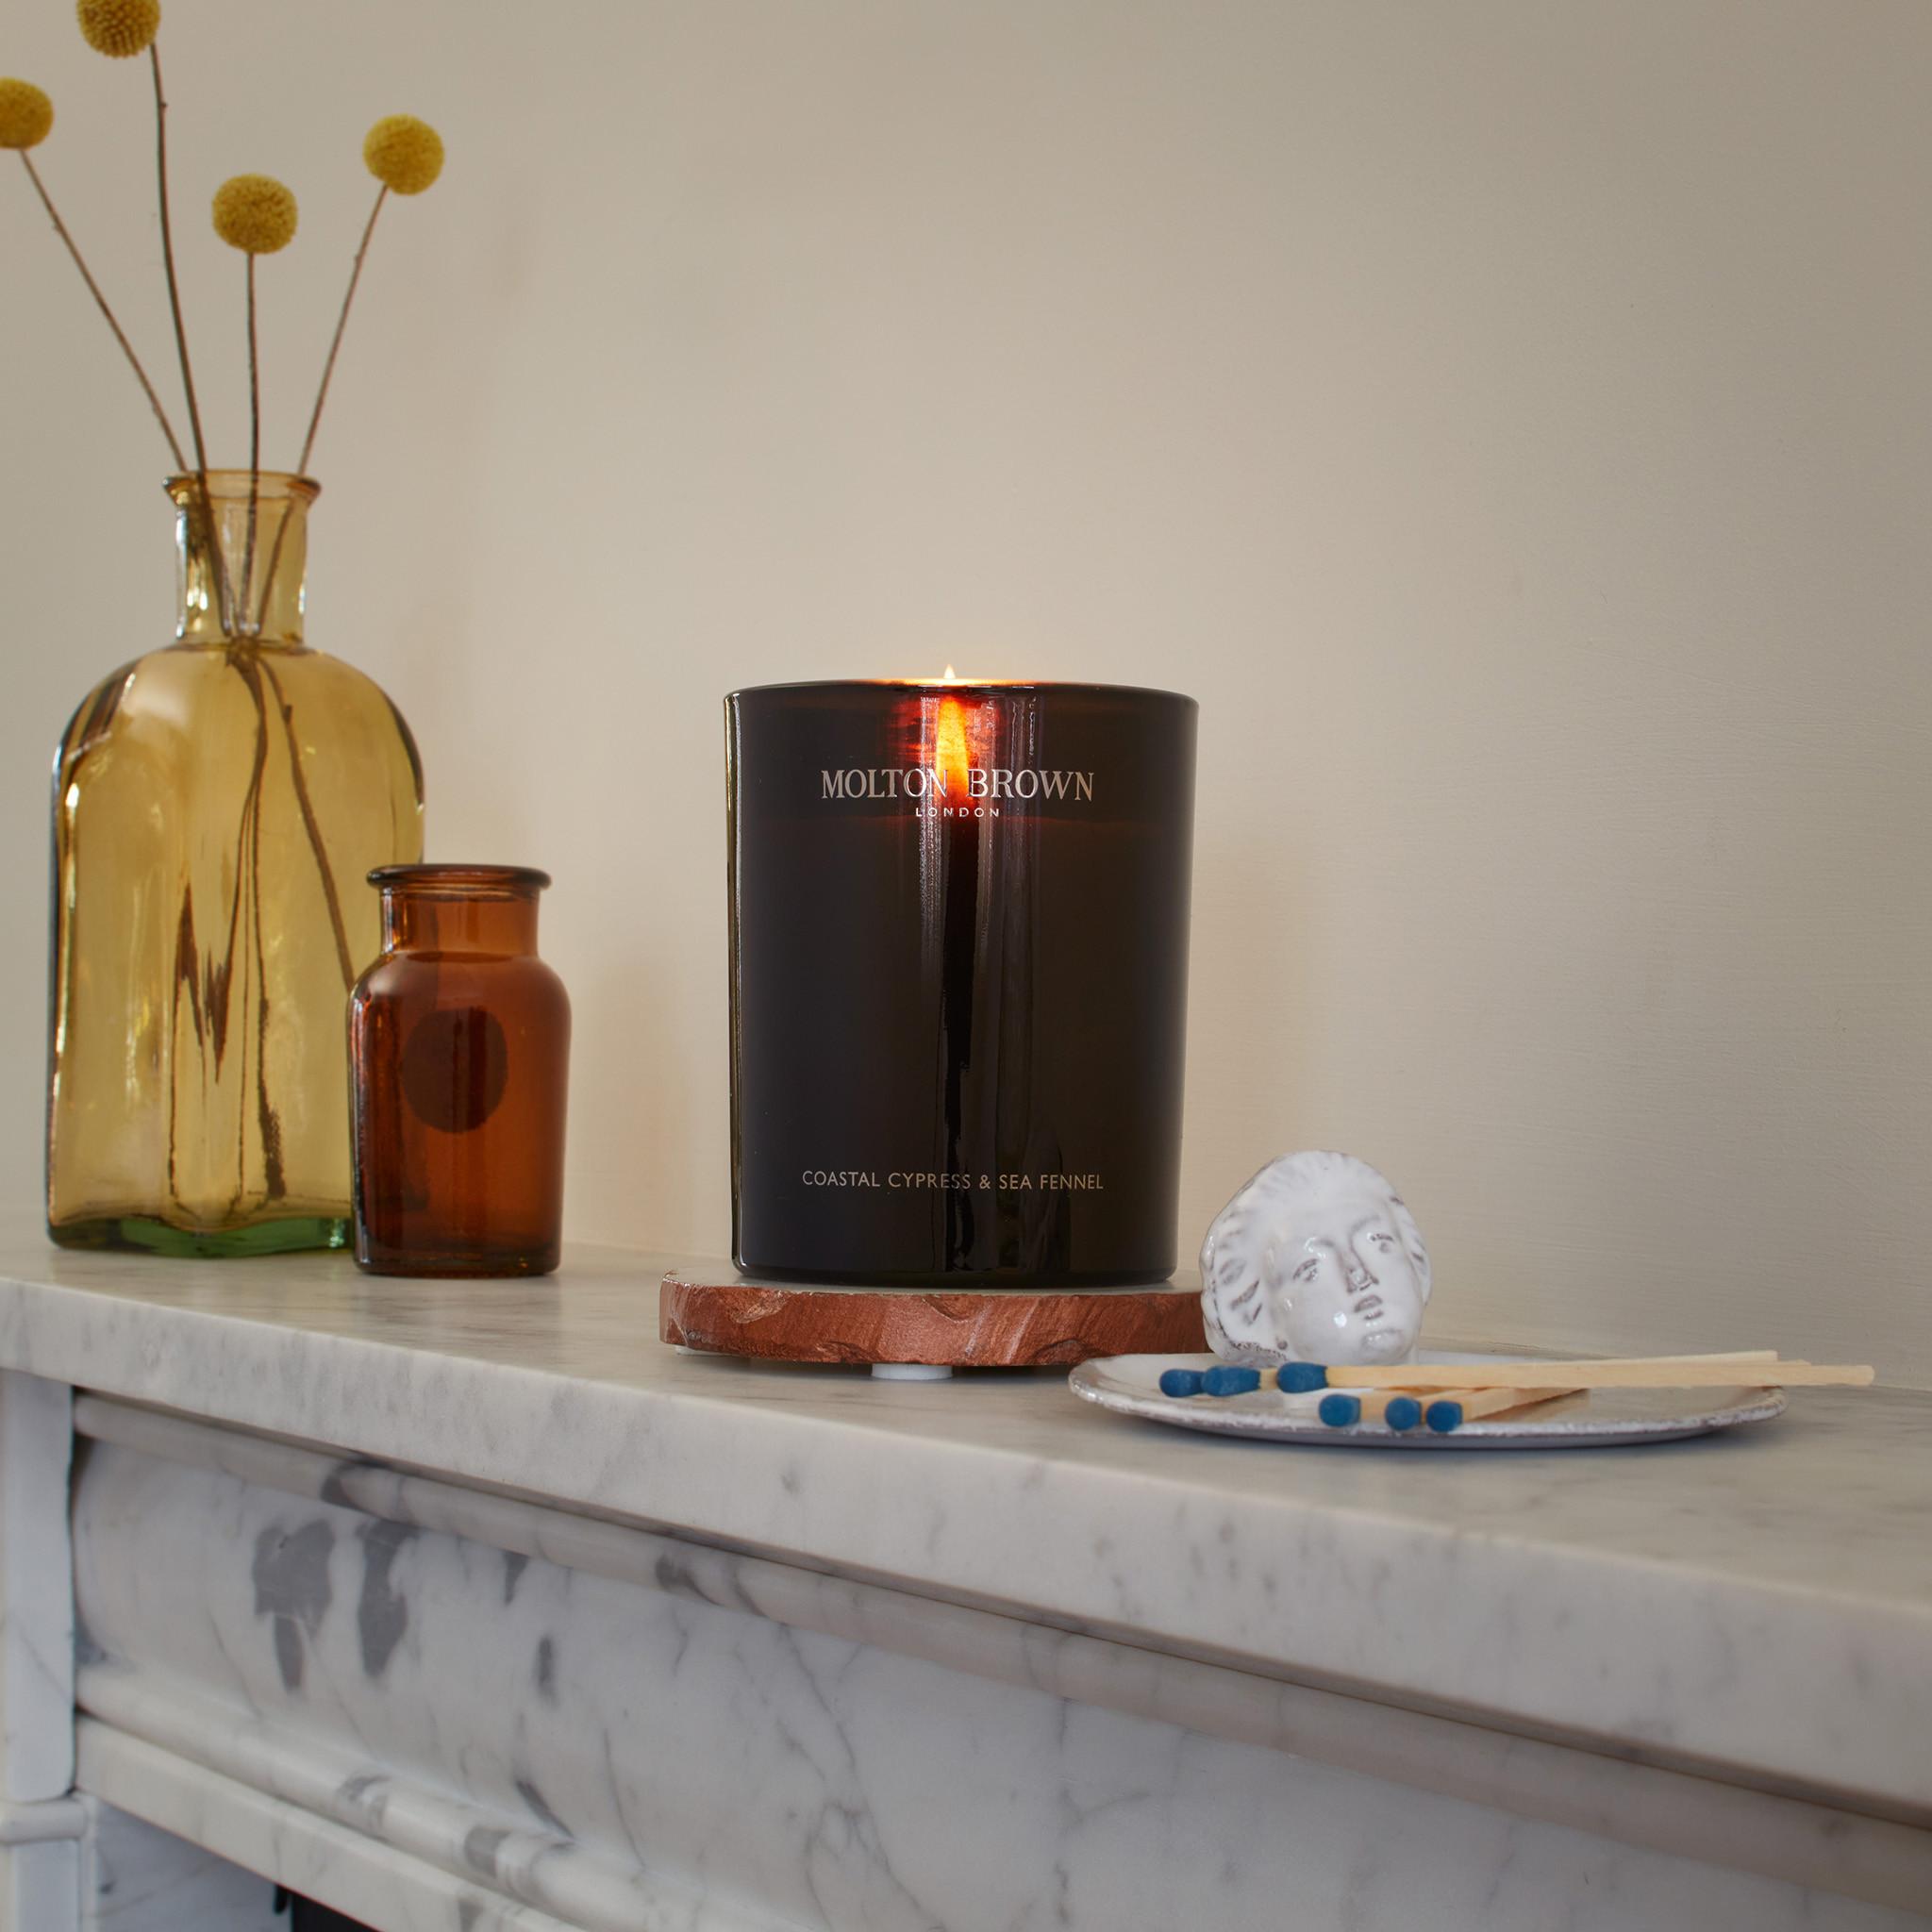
(460, 1057)
(958, 980)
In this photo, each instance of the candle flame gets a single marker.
(951, 676)
(951, 752)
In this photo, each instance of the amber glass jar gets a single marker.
(217, 807)
(460, 1057)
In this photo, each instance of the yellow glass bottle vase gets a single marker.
(218, 806)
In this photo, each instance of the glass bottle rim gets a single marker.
(227, 486)
(460, 881)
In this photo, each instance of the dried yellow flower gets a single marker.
(25, 114)
(255, 214)
(119, 28)
(403, 152)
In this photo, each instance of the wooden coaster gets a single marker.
(722, 1313)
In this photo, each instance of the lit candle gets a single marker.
(958, 980)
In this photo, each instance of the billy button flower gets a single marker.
(119, 28)
(26, 115)
(255, 214)
(403, 154)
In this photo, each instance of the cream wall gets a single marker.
(1512, 421)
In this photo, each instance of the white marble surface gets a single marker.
(1762, 1605)
(36, 1604)
(1655, 1809)
(623, 1755)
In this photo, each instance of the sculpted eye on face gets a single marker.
(1359, 1274)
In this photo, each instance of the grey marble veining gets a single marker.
(1637, 1805)
(611, 1756)
(1761, 1606)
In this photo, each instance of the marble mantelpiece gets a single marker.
(1697, 1671)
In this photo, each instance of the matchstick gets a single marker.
(1448, 1413)
(1304, 1379)
(1663, 1372)
(1390, 1406)
(1403, 1412)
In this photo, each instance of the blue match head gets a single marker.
(1339, 1410)
(1443, 1417)
(1181, 1381)
(1300, 1378)
(1229, 1379)
(1403, 1412)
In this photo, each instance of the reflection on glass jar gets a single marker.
(459, 1051)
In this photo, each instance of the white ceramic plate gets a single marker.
(1596, 1419)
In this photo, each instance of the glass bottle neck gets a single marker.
(242, 559)
(459, 908)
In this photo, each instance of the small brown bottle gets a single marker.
(459, 1057)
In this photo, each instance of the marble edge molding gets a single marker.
(1680, 1812)
(563, 1880)
(1411, 1611)
(338, 1867)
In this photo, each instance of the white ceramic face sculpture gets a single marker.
(1315, 1261)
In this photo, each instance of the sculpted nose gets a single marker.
(1362, 1276)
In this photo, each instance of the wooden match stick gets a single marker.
(1714, 1357)
(1390, 1406)
(1401, 1414)
(1503, 1374)
(1396, 1376)
(1402, 1411)
(1489, 1405)
(1663, 1372)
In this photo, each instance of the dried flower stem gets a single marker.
(93, 289)
(328, 368)
(208, 508)
(254, 458)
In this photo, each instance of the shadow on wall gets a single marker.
(636, 1139)
(1248, 1041)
